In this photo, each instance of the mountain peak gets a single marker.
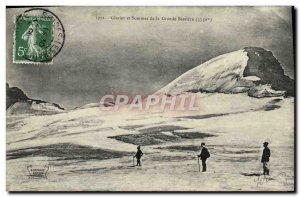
(263, 64)
(235, 72)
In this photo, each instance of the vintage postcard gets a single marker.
(150, 99)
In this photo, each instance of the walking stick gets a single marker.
(199, 164)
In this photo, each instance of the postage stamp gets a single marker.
(39, 36)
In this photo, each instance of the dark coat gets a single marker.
(139, 154)
(266, 155)
(204, 153)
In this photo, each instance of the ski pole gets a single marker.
(133, 161)
(199, 164)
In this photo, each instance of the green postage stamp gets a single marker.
(38, 37)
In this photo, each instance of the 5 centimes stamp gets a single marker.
(39, 36)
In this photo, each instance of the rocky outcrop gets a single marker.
(263, 64)
(17, 102)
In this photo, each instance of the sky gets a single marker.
(139, 57)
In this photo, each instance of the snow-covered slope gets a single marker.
(91, 145)
(235, 72)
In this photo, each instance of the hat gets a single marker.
(266, 143)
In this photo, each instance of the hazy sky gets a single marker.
(104, 56)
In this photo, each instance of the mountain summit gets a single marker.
(253, 69)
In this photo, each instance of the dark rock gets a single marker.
(263, 64)
(16, 95)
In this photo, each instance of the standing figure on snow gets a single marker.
(265, 158)
(204, 155)
(138, 156)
